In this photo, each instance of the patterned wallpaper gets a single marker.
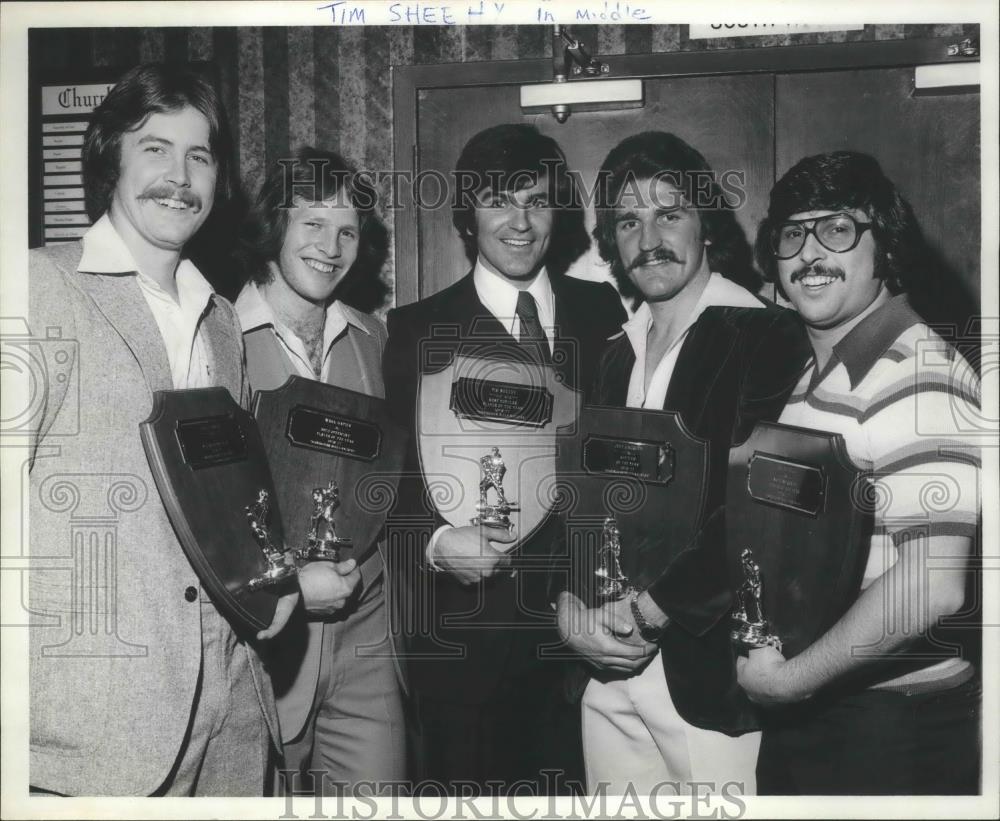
(331, 86)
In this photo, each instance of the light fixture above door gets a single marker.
(590, 89)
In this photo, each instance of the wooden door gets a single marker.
(757, 111)
(928, 146)
(727, 118)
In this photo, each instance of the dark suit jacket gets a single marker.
(737, 367)
(504, 619)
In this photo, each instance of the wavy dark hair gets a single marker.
(661, 155)
(315, 175)
(150, 88)
(513, 156)
(846, 180)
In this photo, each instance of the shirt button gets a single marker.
(190, 594)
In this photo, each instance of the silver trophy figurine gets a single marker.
(323, 544)
(751, 626)
(278, 570)
(614, 583)
(498, 514)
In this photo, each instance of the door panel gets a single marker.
(928, 146)
(760, 124)
(728, 119)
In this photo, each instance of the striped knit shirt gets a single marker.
(906, 404)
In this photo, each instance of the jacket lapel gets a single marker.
(616, 373)
(219, 336)
(708, 346)
(475, 318)
(118, 297)
(369, 362)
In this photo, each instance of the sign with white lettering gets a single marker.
(61, 105)
(65, 110)
(711, 30)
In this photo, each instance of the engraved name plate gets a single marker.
(790, 485)
(649, 461)
(211, 440)
(332, 433)
(487, 400)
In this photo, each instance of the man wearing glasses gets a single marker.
(882, 703)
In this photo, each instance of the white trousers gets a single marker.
(632, 734)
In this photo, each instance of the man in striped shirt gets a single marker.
(887, 701)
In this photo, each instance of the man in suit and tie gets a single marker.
(702, 344)
(314, 247)
(138, 684)
(486, 709)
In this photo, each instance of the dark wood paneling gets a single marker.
(727, 118)
(928, 145)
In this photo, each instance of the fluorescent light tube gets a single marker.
(582, 95)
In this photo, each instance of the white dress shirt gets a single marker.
(500, 298)
(718, 292)
(255, 312)
(179, 321)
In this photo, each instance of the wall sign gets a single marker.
(60, 109)
(706, 32)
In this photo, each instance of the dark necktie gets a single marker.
(532, 332)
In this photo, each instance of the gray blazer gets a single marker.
(115, 648)
(355, 364)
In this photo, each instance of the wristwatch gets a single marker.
(646, 630)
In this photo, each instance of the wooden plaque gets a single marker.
(795, 499)
(209, 463)
(314, 433)
(648, 471)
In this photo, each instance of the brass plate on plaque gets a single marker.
(649, 461)
(333, 433)
(786, 484)
(488, 400)
(211, 441)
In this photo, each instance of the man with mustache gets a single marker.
(313, 247)
(887, 700)
(138, 685)
(703, 345)
(487, 702)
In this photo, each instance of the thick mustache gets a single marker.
(820, 270)
(169, 192)
(652, 257)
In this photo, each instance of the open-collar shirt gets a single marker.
(718, 291)
(255, 312)
(179, 321)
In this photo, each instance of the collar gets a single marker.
(718, 292)
(500, 297)
(872, 336)
(104, 252)
(254, 312)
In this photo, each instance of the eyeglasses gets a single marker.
(835, 232)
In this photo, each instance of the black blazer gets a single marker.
(499, 624)
(737, 367)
